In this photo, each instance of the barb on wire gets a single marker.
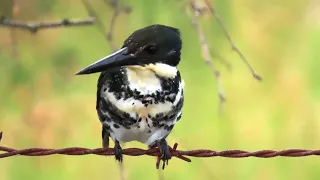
(233, 46)
(206, 54)
(33, 27)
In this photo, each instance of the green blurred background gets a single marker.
(44, 105)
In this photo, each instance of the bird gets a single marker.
(140, 92)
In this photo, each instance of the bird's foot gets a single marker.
(118, 151)
(165, 152)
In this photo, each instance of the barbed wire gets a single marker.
(199, 153)
(78, 151)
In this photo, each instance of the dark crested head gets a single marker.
(152, 44)
(156, 43)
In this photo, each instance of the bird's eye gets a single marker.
(151, 49)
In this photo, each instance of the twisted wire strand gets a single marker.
(78, 151)
(200, 153)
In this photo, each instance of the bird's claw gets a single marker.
(165, 158)
(165, 152)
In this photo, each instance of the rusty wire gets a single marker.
(200, 153)
(78, 151)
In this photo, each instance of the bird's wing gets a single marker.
(101, 81)
(166, 123)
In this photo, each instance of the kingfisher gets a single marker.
(140, 90)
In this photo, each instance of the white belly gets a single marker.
(140, 132)
(145, 81)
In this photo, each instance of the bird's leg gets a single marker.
(153, 145)
(105, 138)
(118, 151)
(164, 150)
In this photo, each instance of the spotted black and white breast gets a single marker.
(137, 104)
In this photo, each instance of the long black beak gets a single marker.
(116, 59)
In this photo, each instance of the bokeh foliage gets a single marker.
(44, 105)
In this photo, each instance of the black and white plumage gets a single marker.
(140, 90)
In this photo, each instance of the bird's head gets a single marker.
(155, 44)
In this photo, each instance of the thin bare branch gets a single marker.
(160, 175)
(122, 171)
(14, 43)
(111, 28)
(233, 46)
(206, 52)
(118, 8)
(115, 4)
(33, 27)
(13, 34)
(223, 60)
(90, 10)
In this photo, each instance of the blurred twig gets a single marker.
(198, 8)
(111, 28)
(160, 175)
(115, 4)
(14, 43)
(205, 50)
(13, 34)
(118, 8)
(121, 168)
(122, 171)
(223, 60)
(233, 46)
(33, 27)
(92, 13)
